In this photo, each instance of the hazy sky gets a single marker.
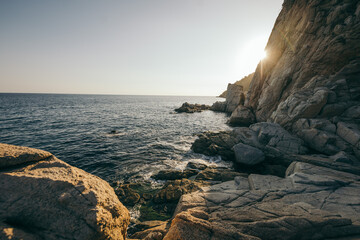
(156, 47)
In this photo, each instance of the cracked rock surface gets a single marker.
(46, 198)
(311, 202)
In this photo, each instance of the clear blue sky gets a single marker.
(156, 47)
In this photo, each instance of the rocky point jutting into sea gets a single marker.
(295, 147)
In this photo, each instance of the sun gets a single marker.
(263, 55)
(251, 54)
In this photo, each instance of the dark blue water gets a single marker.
(76, 128)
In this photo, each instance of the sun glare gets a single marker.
(263, 55)
(250, 54)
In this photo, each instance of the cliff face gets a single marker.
(310, 85)
(313, 45)
(244, 82)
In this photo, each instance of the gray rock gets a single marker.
(352, 112)
(349, 132)
(319, 134)
(215, 143)
(331, 110)
(234, 97)
(249, 155)
(49, 199)
(242, 116)
(286, 85)
(269, 182)
(273, 135)
(310, 203)
(342, 157)
(218, 106)
(218, 174)
(302, 104)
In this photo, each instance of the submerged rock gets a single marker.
(195, 165)
(45, 198)
(152, 230)
(126, 195)
(173, 190)
(174, 174)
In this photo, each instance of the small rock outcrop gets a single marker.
(42, 197)
(244, 82)
(192, 108)
(218, 107)
(234, 96)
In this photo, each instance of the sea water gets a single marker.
(115, 137)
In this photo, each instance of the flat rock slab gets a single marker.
(53, 200)
(312, 202)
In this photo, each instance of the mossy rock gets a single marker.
(147, 213)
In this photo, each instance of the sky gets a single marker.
(134, 47)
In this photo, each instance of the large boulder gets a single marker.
(215, 143)
(320, 135)
(245, 154)
(242, 116)
(42, 197)
(302, 104)
(218, 106)
(274, 136)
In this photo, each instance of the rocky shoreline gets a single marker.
(295, 149)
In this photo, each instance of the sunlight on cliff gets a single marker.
(250, 54)
(263, 55)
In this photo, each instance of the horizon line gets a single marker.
(108, 94)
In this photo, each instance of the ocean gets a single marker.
(116, 137)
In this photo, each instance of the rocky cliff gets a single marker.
(42, 197)
(312, 67)
(244, 82)
(303, 154)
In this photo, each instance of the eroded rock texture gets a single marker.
(306, 100)
(313, 66)
(42, 197)
(312, 202)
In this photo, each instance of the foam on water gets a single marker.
(113, 137)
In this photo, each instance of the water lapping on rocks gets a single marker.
(113, 137)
